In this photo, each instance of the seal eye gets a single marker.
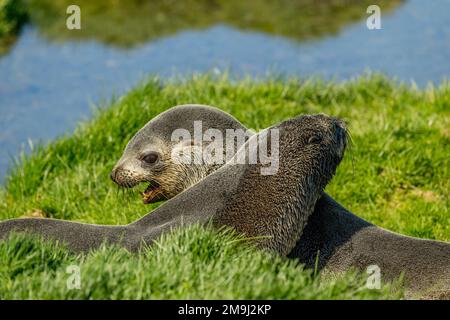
(150, 157)
(315, 138)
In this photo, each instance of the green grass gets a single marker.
(193, 263)
(395, 174)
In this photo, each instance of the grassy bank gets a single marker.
(396, 174)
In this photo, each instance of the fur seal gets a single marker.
(310, 149)
(147, 156)
(335, 239)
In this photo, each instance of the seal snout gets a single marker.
(337, 128)
(127, 178)
(123, 177)
(113, 175)
(341, 134)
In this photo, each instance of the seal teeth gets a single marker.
(151, 192)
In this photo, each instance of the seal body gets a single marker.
(275, 222)
(335, 240)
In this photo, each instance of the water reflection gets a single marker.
(128, 23)
(46, 86)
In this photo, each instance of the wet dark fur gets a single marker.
(233, 202)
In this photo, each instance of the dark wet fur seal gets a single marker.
(236, 195)
(336, 240)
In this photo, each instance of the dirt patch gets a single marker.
(427, 195)
(35, 214)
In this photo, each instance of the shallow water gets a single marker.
(47, 87)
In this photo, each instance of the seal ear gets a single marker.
(315, 138)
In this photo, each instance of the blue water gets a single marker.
(46, 88)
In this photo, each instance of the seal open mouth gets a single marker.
(153, 193)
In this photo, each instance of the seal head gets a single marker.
(148, 155)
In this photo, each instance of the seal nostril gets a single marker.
(336, 125)
(341, 135)
(339, 128)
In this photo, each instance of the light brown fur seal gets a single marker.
(147, 156)
(334, 239)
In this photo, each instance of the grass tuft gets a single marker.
(191, 263)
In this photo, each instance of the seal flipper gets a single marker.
(191, 206)
(79, 237)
